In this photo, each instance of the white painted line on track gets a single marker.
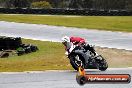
(43, 15)
(129, 68)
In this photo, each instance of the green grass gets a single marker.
(109, 23)
(49, 57)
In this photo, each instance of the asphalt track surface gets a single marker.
(54, 33)
(57, 79)
(61, 79)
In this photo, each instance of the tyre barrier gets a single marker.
(9, 43)
(61, 11)
(25, 49)
(15, 44)
(4, 54)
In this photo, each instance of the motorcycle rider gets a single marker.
(69, 43)
(81, 58)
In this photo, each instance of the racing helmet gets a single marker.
(65, 39)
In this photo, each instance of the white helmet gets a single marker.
(65, 39)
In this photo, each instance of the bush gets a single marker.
(41, 4)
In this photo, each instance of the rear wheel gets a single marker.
(76, 61)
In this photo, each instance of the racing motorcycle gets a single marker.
(79, 56)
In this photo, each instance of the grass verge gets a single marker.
(109, 23)
(51, 57)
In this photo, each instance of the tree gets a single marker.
(108, 4)
(21, 3)
(76, 4)
(15, 3)
(95, 4)
(6, 3)
(54, 3)
(128, 5)
(87, 3)
(41, 4)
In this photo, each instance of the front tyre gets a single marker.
(76, 61)
(101, 63)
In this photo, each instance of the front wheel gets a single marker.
(101, 63)
(76, 61)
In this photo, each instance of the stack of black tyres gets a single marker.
(25, 49)
(9, 43)
(15, 43)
